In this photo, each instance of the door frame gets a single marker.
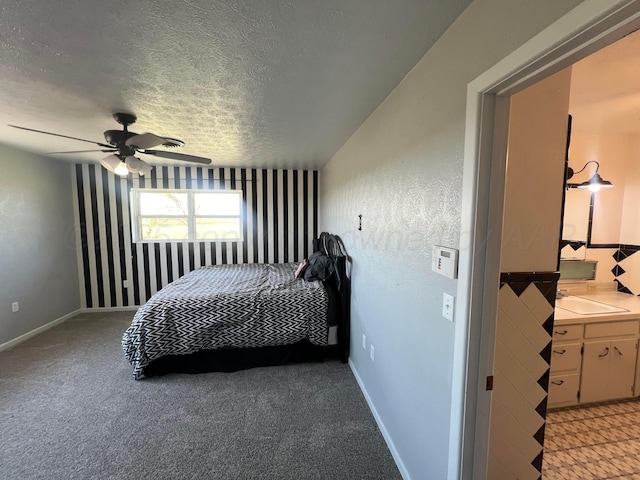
(587, 28)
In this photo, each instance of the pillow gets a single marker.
(301, 268)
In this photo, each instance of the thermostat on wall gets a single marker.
(445, 261)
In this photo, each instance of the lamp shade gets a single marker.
(135, 165)
(115, 165)
(595, 183)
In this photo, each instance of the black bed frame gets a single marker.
(338, 287)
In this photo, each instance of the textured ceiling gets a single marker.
(256, 83)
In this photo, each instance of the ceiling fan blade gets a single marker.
(178, 156)
(144, 141)
(63, 136)
(84, 151)
(172, 142)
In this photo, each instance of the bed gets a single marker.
(231, 317)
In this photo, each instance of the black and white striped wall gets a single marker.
(280, 214)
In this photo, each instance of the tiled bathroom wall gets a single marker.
(615, 262)
(521, 374)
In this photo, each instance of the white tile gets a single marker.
(536, 303)
(498, 471)
(523, 320)
(520, 377)
(510, 428)
(507, 299)
(631, 277)
(606, 262)
(569, 253)
(511, 458)
(517, 343)
(505, 393)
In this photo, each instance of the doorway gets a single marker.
(485, 160)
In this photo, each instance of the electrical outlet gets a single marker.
(371, 353)
(364, 341)
(125, 283)
(15, 306)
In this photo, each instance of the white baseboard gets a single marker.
(132, 308)
(58, 321)
(383, 429)
(32, 333)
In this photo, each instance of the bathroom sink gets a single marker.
(586, 307)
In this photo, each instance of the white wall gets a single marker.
(534, 179)
(629, 224)
(615, 209)
(402, 170)
(612, 151)
(38, 265)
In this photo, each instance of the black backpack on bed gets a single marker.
(319, 267)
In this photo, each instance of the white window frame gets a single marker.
(136, 215)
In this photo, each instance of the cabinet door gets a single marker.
(595, 371)
(565, 356)
(563, 390)
(622, 368)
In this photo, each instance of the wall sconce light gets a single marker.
(595, 183)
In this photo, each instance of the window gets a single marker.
(186, 215)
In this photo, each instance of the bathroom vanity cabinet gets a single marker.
(609, 368)
(595, 357)
(566, 364)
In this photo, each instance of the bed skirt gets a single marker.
(234, 359)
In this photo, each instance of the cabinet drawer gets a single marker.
(568, 332)
(611, 329)
(565, 356)
(563, 389)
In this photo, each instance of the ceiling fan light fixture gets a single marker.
(135, 165)
(110, 162)
(145, 170)
(121, 170)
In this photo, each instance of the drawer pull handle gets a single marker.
(564, 332)
(558, 383)
(617, 351)
(560, 352)
(606, 352)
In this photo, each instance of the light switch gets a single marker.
(447, 306)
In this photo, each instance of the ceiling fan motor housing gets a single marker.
(117, 138)
(125, 119)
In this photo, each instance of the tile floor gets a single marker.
(593, 443)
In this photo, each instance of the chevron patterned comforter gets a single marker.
(249, 305)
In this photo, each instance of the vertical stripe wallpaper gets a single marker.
(280, 215)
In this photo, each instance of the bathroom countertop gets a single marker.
(631, 303)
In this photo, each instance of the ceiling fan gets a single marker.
(123, 145)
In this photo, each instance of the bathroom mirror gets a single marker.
(575, 225)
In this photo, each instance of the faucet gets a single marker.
(559, 293)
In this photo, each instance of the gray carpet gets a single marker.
(69, 408)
